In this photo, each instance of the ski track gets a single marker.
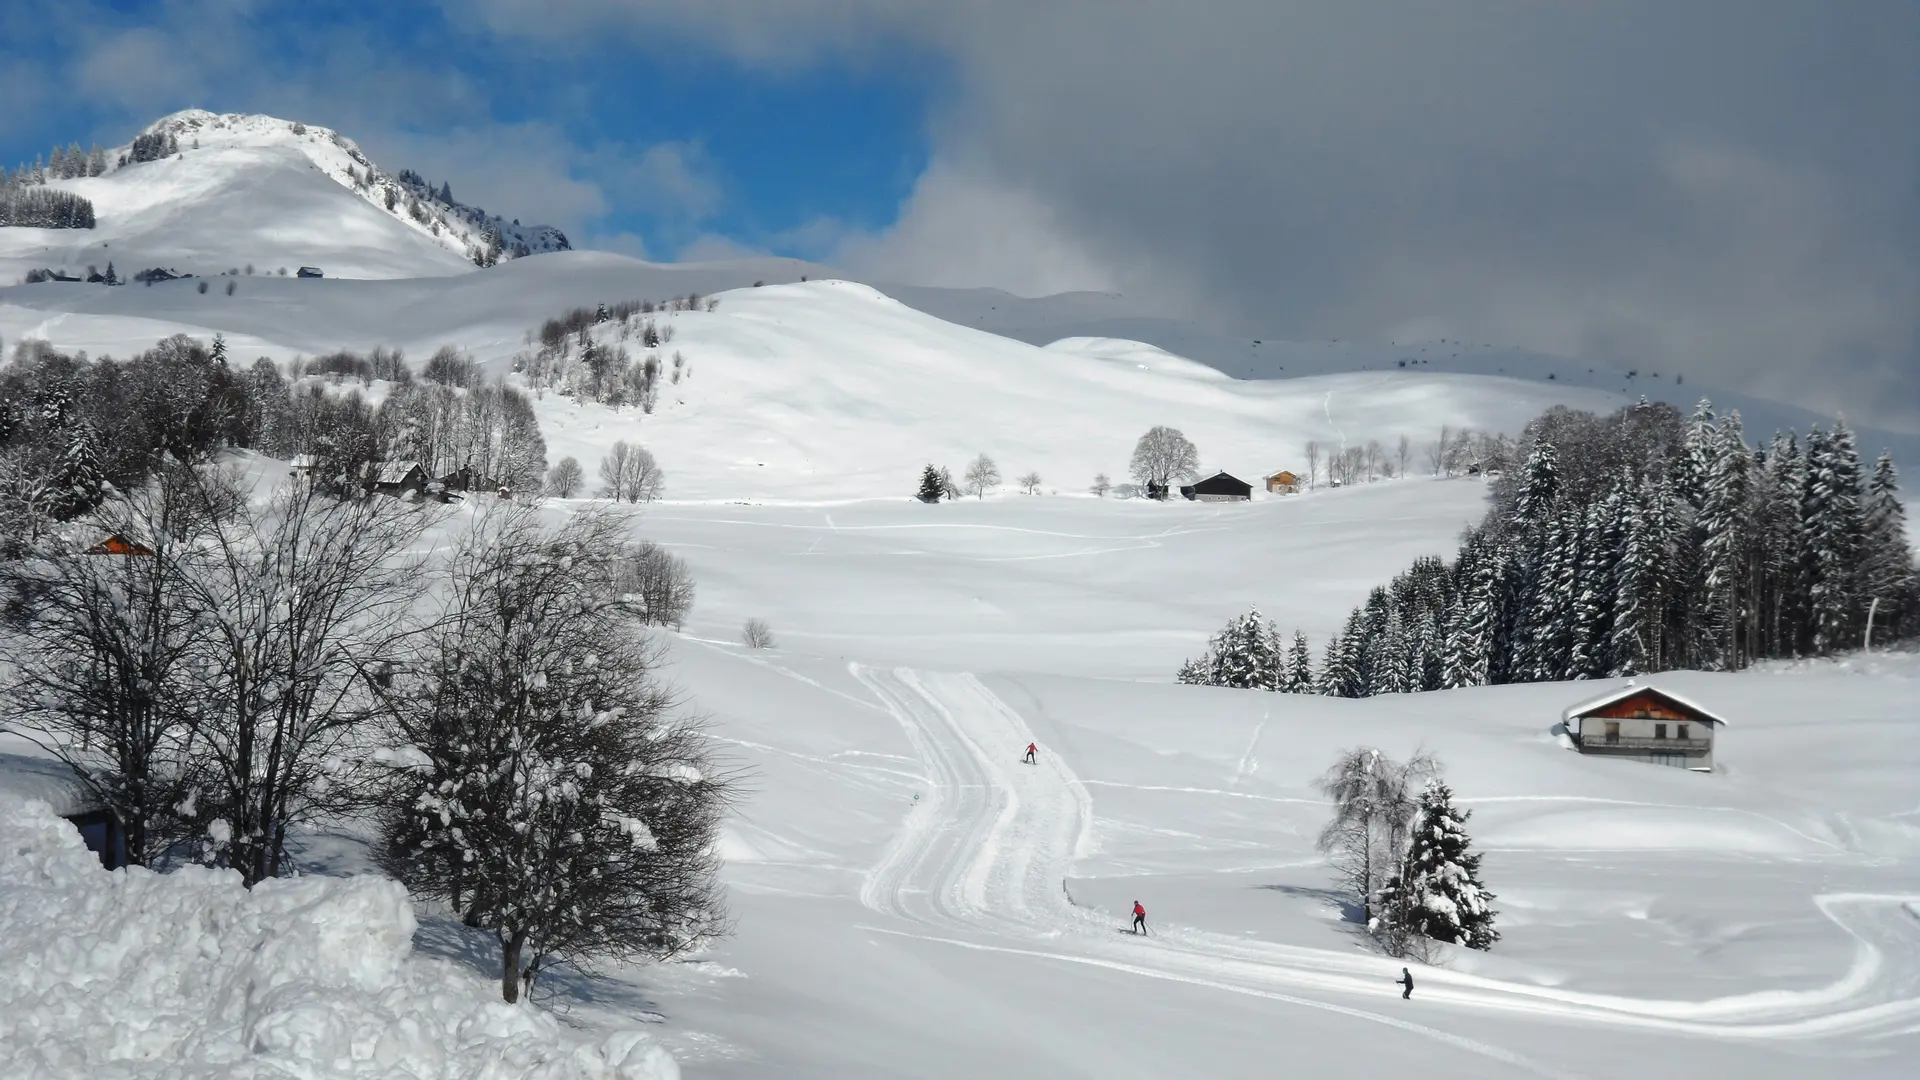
(988, 848)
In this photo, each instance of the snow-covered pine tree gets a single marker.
(1889, 568)
(1834, 530)
(1592, 594)
(1726, 530)
(1336, 669)
(1299, 673)
(1246, 653)
(1387, 669)
(1438, 894)
(931, 488)
(77, 482)
(1631, 632)
(1539, 488)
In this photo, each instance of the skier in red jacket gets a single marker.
(1139, 918)
(1031, 751)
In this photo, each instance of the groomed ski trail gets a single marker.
(990, 843)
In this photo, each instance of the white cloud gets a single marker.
(962, 229)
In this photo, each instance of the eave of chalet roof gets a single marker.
(1630, 690)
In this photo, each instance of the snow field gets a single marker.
(132, 974)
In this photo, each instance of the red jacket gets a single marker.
(1032, 748)
(1139, 911)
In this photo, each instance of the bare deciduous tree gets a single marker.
(1403, 455)
(756, 634)
(982, 474)
(566, 478)
(630, 472)
(1374, 798)
(1101, 485)
(297, 604)
(655, 582)
(546, 784)
(1162, 456)
(98, 675)
(1030, 483)
(1437, 451)
(1313, 463)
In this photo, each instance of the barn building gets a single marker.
(1283, 482)
(396, 478)
(60, 787)
(1643, 723)
(1220, 487)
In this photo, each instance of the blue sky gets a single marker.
(667, 141)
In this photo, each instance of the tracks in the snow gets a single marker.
(987, 847)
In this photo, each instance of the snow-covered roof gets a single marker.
(1630, 690)
(393, 472)
(46, 779)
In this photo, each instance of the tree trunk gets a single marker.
(510, 966)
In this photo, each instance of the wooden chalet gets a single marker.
(1220, 487)
(1283, 482)
(115, 544)
(1647, 724)
(398, 479)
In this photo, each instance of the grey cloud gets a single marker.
(1729, 191)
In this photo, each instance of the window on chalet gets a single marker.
(1680, 732)
(1659, 731)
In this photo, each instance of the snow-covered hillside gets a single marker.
(816, 390)
(248, 190)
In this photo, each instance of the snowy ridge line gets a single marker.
(1600, 800)
(987, 848)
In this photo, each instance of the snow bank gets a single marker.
(132, 974)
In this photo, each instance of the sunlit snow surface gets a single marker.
(912, 901)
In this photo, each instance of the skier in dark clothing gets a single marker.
(1406, 980)
(1139, 918)
(1031, 751)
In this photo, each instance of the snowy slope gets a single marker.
(820, 390)
(249, 189)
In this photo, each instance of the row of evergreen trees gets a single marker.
(1625, 544)
(44, 208)
(68, 163)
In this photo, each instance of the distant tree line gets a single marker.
(44, 208)
(1637, 542)
(73, 429)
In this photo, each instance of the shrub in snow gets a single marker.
(757, 634)
(1436, 893)
(563, 806)
(148, 976)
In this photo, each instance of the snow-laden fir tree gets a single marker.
(1726, 530)
(1437, 892)
(1298, 676)
(1888, 573)
(1833, 530)
(931, 488)
(1246, 654)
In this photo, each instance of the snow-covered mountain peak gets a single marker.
(205, 193)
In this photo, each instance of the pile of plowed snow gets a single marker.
(132, 974)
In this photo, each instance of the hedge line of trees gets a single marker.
(44, 208)
(1641, 541)
(74, 429)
